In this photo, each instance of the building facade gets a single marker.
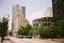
(18, 18)
(45, 21)
(58, 11)
(58, 7)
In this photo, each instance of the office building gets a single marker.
(44, 21)
(58, 12)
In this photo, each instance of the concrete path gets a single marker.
(24, 40)
(18, 40)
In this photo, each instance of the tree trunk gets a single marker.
(52, 38)
(2, 38)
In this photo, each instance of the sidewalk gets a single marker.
(7, 41)
(26, 40)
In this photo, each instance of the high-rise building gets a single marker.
(23, 11)
(18, 18)
(58, 12)
(58, 8)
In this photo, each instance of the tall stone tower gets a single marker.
(23, 11)
(18, 18)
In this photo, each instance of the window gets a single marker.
(45, 24)
(36, 24)
(42, 20)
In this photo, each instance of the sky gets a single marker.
(34, 8)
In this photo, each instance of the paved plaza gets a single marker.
(25, 40)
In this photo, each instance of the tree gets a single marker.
(59, 21)
(0, 29)
(43, 31)
(25, 31)
(3, 28)
(53, 33)
(28, 29)
(35, 31)
(21, 31)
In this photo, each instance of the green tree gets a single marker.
(35, 31)
(3, 28)
(59, 21)
(43, 31)
(28, 29)
(21, 31)
(25, 31)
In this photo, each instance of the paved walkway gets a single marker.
(18, 40)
